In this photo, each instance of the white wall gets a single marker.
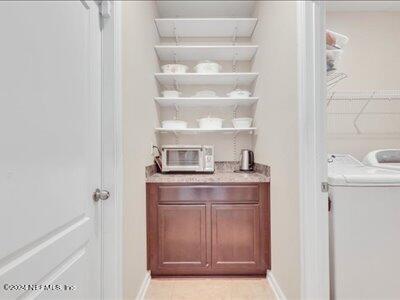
(276, 143)
(139, 119)
(372, 62)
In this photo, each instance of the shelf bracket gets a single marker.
(176, 111)
(176, 35)
(330, 99)
(234, 145)
(361, 112)
(175, 60)
(234, 133)
(176, 85)
(235, 85)
(234, 35)
(234, 61)
(235, 107)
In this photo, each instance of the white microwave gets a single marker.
(187, 158)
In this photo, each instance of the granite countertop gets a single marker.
(224, 173)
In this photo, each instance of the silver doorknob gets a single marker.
(100, 195)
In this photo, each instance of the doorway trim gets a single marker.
(112, 164)
(314, 218)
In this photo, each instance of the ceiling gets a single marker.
(205, 9)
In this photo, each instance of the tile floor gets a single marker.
(209, 289)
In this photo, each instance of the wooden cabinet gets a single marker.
(182, 236)
(236, 236)
(208, 229)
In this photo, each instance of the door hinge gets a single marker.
(324, 187)
(105, 9)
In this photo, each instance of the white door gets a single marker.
(50, 141)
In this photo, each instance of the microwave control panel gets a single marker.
(209, 159)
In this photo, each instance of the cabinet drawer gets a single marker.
(248, 193)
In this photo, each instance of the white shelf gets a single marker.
(187, 53)
(206, 27)
(197, 101)
(199, 130)
(206, 78)
(202, 9)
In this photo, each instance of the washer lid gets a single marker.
(343, 169)
(363, 175)
(385, 158)
(342, 160)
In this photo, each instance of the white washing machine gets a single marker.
(364, 230)
(384, 158)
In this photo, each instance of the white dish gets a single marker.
(174, 68)
(239, 94)
(174, 124)
(210, 123)
(242, 122)
(171, 94)
(205, 94)
(207, 67)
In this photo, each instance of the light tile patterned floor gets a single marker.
(210, 289)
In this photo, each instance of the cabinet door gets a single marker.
(236, 244)
(182, 236)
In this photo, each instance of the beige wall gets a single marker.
(372, 62)
(276, 143)
(139, 63)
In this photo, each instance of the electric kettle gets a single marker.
(246, 160)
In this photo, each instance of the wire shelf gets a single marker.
(365, 95)
(333, 78)
(361, 103)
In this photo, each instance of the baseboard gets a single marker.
(144, 286)
(275, 287)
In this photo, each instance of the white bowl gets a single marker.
(207, 67)
(239, 94)
(205, 94)
(242, 122)
(171, 94)
(174, 124)
(174, 68)
(210, 123)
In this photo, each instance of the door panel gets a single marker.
(182, 235)
(236, 236)
(50, 127)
